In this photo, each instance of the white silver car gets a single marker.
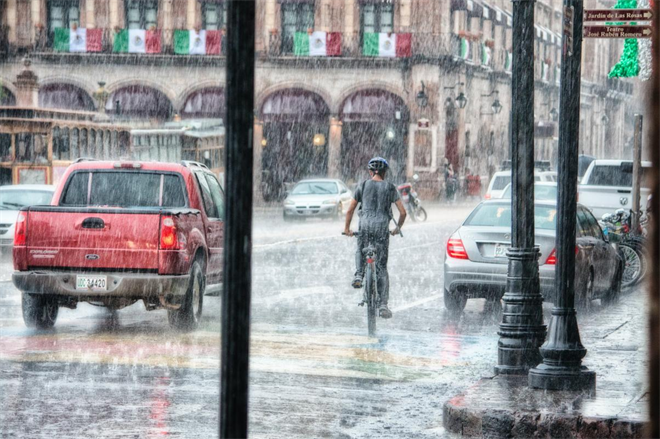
(317, 198)
(476, 263)
(12, 199)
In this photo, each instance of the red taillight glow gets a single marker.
(127, 165)
(455, 249)
(168, 239)
(20, 232)
(487, 196)
(552, 259)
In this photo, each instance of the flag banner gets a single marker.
(137, 41)
(508, 62)
(485, 55)
(78, 40)
(317, 44)
(387, 45)
(191, 42)
(464, 49)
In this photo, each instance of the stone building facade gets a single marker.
(318, 115)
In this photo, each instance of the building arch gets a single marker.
(188, 90)
(114, 86)
(65, 96)
(291, 85)
(86, 86)
(139, 101)
(362, 86)
(374, 123)
(296, 125)
(204, 103)
(7, 97)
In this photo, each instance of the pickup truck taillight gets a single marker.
(168, 238)
(552, 259)
(20, 231)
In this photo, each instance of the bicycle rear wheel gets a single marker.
(370, 298)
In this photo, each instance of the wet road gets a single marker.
(314, 373)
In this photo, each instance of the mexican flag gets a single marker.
(191, 42)
(78, 40)
(508, 62)
(485, 55)
(387, 45)
(137, 41)
(317, 44)
(464, 49)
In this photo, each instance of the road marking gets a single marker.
(417, 302)
(295, 293)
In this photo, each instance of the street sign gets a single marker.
(618, 31)
(618, 14)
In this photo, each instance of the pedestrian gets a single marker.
(375, 197)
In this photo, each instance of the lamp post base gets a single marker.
(561, 378)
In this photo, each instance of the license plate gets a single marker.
(92, 283)
(500, 251)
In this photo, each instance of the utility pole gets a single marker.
(522, 331)
(637, 174)
(237, 290)
(563, 351)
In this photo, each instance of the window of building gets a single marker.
(376, 18)
(296, 17)
(63, 13)
(142, 14)
(214, 15)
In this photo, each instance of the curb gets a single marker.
(497, 420)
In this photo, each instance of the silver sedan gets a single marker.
(320, 198)
(476, 263)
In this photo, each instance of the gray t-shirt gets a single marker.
(376, 199)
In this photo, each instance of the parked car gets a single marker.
(607, 186)
(12, 199)
(317, 198)
(501, 179)
(119, 232)
(476, 263)
(543, 190)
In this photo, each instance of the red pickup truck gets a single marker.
(119, 232)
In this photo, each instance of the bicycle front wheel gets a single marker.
(370, 298)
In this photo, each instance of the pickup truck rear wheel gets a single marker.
(187, 317)
(39, 311)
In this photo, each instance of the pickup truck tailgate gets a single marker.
(93, 238)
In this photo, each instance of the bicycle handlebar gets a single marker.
(356, 234)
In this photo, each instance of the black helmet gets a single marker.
(378, 164)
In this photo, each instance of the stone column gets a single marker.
(11, 20)
(27, 87)
(334, 148)
(167, 15)
(410, 169)
(114, 14)
(405, 15)
(191, 14)
(36, 16)
(90, 15)
(257, 147)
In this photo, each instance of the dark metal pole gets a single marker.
(563, 351)
(522, 330)
(654, 290)
(637, 174)
(238, 227)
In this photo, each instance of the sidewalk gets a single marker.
(500, 406)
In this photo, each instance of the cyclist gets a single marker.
(375, 197)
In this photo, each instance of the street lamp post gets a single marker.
(522, 330)
(563, 351)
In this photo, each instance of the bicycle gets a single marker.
(370, 297)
